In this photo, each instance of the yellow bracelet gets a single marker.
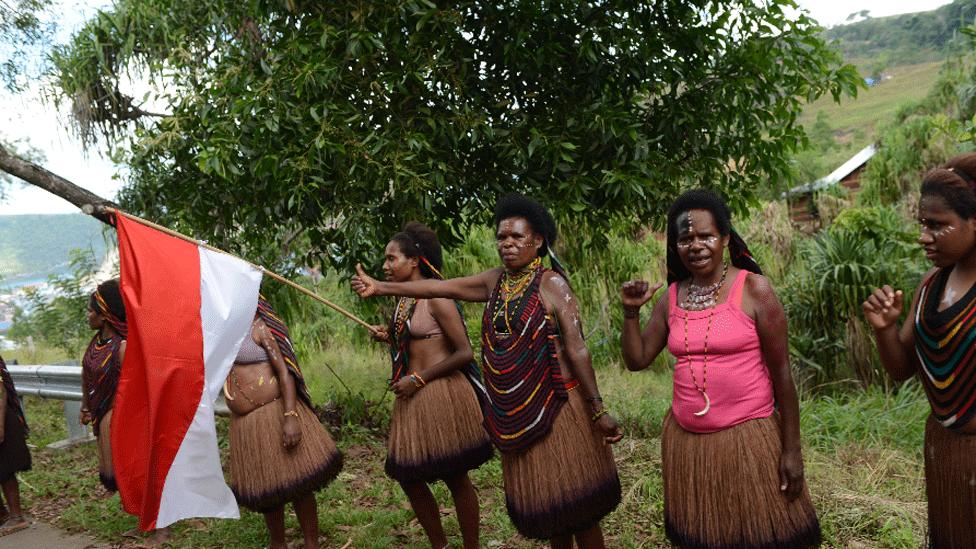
(418, 378)
(291, 413)
(598, 415)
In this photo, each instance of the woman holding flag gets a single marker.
(436, 431)
(279, 451)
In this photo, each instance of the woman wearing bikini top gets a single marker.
(436, 431)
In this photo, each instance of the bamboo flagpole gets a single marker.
(273, 275)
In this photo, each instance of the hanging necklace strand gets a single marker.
(708, 328)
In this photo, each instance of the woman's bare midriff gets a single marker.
(425, 353)
(250, 386)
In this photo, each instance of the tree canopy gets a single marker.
(21, 28)
(300, 132)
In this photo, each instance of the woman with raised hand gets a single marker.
(436, 431)
(730, 445)
(540, 399)
(14, 455)
(936, 343)
(279, 451)
(100, 369)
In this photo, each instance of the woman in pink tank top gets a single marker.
(731, 461)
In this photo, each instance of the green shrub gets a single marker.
(837, 269)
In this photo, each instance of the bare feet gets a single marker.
(13, 523)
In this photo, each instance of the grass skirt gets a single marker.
(950, 484)
(14, 454)
(106, 472)
(566, 482)
(437, 433)
(264, 474)
(721, 490)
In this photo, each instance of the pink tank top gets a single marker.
(737, 381)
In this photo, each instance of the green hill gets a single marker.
(903, 56)
(908, 38)
(35, 246)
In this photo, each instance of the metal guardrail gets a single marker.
(63, 382)
(48, 381)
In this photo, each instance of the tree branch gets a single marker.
(54, 184)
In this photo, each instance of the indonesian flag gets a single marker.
(188, 310)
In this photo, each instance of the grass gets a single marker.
(862, 453)
(908, 83)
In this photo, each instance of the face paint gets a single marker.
(950, 296)
(685, 223)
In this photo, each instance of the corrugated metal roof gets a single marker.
(843, 171)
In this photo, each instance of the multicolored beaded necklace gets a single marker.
(400, 337)
(103, 367)
(944, 343)
(523, 389)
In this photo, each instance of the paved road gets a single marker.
(41, 535)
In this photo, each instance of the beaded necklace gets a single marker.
(699, 298)
(101, 361)
(712, 296)
(512, 285)
(523, 389)
(944, 346)
(400, 340)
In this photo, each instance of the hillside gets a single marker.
(35, 246)
(905, 39)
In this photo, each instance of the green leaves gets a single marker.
(339, 121)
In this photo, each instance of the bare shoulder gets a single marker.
(490, 277)
(759, 294)
(552, 279)
(443, 305)
(556, 286)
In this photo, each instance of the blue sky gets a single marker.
(28, 116)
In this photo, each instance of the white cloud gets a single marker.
(835, 12)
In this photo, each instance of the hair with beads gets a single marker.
(704, 199)
(418, 240)
(955, 183)
(539, 218)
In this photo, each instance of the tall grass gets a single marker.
(862, 452)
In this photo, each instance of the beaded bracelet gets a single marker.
(598, 415)
(631, 312)
(291, 413)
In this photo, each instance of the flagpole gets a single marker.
(273, 275)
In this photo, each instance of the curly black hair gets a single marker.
(418, 240)
(704, 199)
(542, 222)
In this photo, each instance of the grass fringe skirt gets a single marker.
(721, 490)
(437, 433)
(950, 484)
(14, 455)
(566, 482)
(264, 474)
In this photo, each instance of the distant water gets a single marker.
(13, 283)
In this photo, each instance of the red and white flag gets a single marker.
(188, 310)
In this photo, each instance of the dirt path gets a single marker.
(44, 535)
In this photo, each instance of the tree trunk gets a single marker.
(54, 184)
